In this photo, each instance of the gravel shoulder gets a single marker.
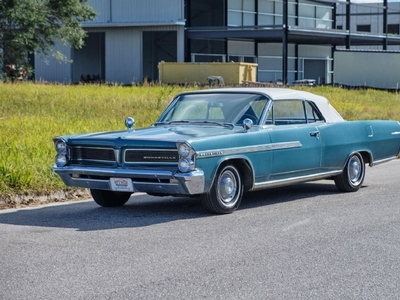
(18, 201)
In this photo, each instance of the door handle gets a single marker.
(315, 134)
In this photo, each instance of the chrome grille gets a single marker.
(85, 153)
(151, 156)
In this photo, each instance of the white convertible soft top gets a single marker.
(328, 111)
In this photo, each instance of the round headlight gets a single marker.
(61, 147)
(61, 160)
(185, 165)
(183, 150)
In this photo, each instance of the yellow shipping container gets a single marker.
(232, 73)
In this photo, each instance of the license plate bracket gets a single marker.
(121, 184)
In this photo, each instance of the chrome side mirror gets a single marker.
(247, 124)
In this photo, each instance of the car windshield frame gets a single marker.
(226, 108)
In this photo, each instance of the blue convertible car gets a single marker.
(217, 144)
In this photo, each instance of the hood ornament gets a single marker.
(129, 123)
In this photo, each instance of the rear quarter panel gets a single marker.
(339, 140)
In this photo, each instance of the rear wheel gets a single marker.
(353, 174)
(109, 198)
(226, 192)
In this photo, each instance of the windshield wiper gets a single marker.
(171, 122)
(223, 124)
(178, 121)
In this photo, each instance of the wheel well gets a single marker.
(366, 157)
(244, 169)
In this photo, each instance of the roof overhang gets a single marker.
(130, 24)
(295, 35)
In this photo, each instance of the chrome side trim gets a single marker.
(381, 161)
(248, 149)
(396, 132)
(283, 182)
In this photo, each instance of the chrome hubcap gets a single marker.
(355, 169)
(227, 186)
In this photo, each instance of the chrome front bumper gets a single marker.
(161, 182)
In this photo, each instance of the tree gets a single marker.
(33, 26)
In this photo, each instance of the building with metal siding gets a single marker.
(124, 12)
(251, 31)
(289, 39)
(50, 70)
(293, 39)
(125, 43)
(369, 18)
(121, 45)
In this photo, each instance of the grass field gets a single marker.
(32, 114)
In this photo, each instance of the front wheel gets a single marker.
(109, 198)
(226, 192)
(353, 174)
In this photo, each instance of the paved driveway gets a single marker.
(301, 242)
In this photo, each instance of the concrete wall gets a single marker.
(370, 69)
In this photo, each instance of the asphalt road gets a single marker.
(301, 242)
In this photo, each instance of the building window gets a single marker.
(393, 29)
(241, 13)
(364, 28)
(206, 13)
(340, 27)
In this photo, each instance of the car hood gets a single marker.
(153, 136)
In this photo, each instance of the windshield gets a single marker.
(230, 108)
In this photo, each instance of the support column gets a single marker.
(285, 42)
(348, 18)
(385, 23)
(180, 44)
